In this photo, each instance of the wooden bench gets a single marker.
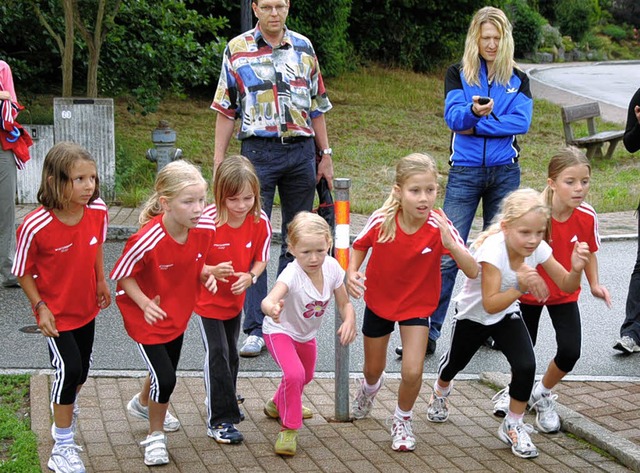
(594, 141)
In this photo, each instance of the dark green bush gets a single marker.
(527, 26)
(417, 34)
(325, 24)
(576, 18)
(616, 32)
(160, 46)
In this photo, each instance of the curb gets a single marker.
(625, 451)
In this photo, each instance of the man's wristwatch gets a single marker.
(254, 278)
(326, 151)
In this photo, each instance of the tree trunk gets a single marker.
(67, 52)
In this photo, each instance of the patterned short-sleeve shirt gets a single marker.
(274, 91)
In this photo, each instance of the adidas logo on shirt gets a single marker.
(93, 241)
(426, 250)
(574, 239)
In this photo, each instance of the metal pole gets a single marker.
(245, 15)
(341, 189)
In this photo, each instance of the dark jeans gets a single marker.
(631, 324)
(466, 186)
(221, 363)
(291, 168)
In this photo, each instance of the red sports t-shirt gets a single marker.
(403, 275)
(581, 226)
(162, 267)
(242, 246)
(61, 259)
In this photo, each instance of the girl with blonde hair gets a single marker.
(159, 275)
(407, 238)
(294, 310)
(508, 253)
(568, 182)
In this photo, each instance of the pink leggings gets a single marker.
(298, 363)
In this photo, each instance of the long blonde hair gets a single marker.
(231, 176)
(504, 62)
(515, 205)
(415, 163)
(170, 181)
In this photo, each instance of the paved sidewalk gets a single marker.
(467, 442)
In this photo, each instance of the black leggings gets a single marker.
(162, 363)
(566, 323)
(70, 356)
(511, 337)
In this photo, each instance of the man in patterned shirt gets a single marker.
(270, 81)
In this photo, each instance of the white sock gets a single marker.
(371, 388)
(400, 414)
(513, 418)
(540, 390)
(442, 391)
(63, 435)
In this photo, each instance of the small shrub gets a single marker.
(527, 26)
(616, 32)
(577, 18)
(550, 36)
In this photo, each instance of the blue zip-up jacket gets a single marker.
(493, 142)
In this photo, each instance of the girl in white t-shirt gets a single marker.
(508, 253)
(295, 308)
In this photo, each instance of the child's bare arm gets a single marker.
(46, 319)
(273, 303)
(347, 330)
(493, 300)
(150, 307)
(459, 252)
(103, 295)
(592, 273)
(354, 282)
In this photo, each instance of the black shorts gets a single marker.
(374, 326)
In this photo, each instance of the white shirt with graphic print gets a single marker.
(304, 306)
(494, 251)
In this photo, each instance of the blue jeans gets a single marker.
(631, 324)
(466, 186)
(292, 169)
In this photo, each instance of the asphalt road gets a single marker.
(115, 351)
(610, 82)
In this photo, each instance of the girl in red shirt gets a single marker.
(238, 256)
(407, 238)
(572, 220)
(159, 275)
(59, 265)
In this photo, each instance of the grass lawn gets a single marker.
(379, 115)
(18, 447)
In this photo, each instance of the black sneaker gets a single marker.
(225, 433)
(491, 343)
(431, 348)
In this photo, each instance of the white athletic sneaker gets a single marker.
(517, 435)
(547, 419)
(438, 410)
(363, 402)
(501, 402)
(253, 346)
(627, 344)
(171, 424)
(402, 439)
(155, 449)
(65, 459)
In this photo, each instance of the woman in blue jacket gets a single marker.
(487, 103)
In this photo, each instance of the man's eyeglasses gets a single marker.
(279, 8)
